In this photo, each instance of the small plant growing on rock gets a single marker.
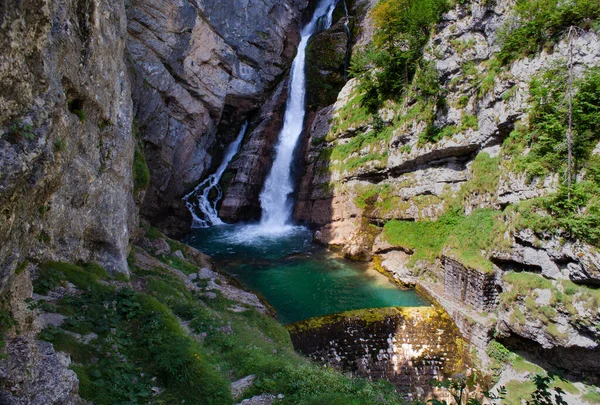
(19, 130)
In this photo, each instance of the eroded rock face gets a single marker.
(401, 176)
(66, 156)
(245, 176)
(199, 69)
(38, 375)
(66, 148)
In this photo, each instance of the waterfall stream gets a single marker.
(203, 210)
(275, 199)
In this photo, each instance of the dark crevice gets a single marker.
(574, 363)
(513, 265)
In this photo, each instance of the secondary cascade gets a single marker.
(275, 198)
(203, 210)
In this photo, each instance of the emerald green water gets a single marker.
(297, 277)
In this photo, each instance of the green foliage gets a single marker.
(496, 351)
(47, 280)
(541, 23)
(141, 172)
(434, 134)
(592, 396)
(7, 322)
(60, 145)
(426, 238)
(523, 366)
(19, 130)
(573, 213)
(76, 107)
(542, 395)
(465, 236)
(141, 344)
(402, 28)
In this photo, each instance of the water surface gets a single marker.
(297, 277)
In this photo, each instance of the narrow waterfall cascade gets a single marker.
(275, 199)
(201, 204)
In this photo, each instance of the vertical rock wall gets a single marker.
(66, 149)
(200, 68)
(66, 155)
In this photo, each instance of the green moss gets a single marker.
(565, 385)
(140, 337)
(523, 366)
(7, 322)
(367, 316)
(141, 172)
(466, 236)
(64, 342)
(518, 390)
(496, 351)
(552, 330)
(21, 267)
(592, 396)
(526, 282)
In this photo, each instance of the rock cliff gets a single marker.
(431, 188)
(200, 68)
(73, 159)
(66, 155)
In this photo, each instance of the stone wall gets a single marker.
(469, 286)
(406, 346)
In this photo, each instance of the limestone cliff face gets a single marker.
(200, 68)
(350, 196)
(72, 76)
(66, 147)
(65, 164)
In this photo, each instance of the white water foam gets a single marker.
(203, 210)
(275, 198)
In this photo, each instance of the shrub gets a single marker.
(402, 30)
(541, 23)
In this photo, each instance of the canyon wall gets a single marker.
(66, 155)
(93, 94)
(200, 69)
(433, 189)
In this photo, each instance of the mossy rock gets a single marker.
(325, 59)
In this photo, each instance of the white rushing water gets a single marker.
(203, 210)
(275, 198)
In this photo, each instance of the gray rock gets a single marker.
(205, 274)
(240, 386)
(264, 399)
(161, 247)
(51, 319)
(33, 373)
(200, 67)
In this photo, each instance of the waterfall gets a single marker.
(275, 198)
(204, 212)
